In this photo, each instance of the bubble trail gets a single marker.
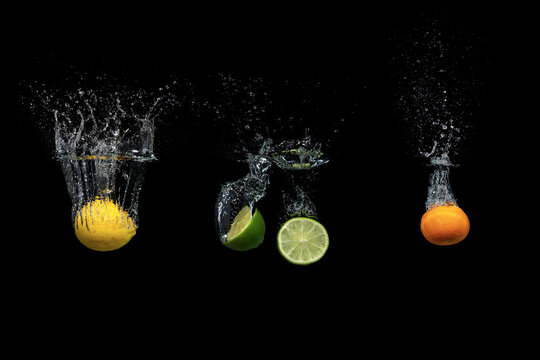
(437, 85)
(439, 190)
(299, 158)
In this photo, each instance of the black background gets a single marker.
(370, 195)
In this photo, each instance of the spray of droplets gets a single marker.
(102, 136)
(436, 85)
(437, 95)
(246, 110)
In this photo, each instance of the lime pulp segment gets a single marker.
(241, 221)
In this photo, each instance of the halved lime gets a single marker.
(302, 240)
(247, 231)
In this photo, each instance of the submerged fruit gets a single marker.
(302, 241)
(102, 225)
(445, 225)
(247, 231)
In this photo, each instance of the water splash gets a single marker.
(437, 85)
(91, 178)
(437, 94)
(118, 124)
(103, 139)
(298, 156)
(245, 191)
(289, 123)
(250, 109)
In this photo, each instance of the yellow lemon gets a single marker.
(102, 225)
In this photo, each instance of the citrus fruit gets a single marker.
(302, 240)
(445, 225)
(247, 230)
(102, 225)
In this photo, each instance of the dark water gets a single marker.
(341, 85)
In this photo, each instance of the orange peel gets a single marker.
(445, 224)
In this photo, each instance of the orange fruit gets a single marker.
(445, 225)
